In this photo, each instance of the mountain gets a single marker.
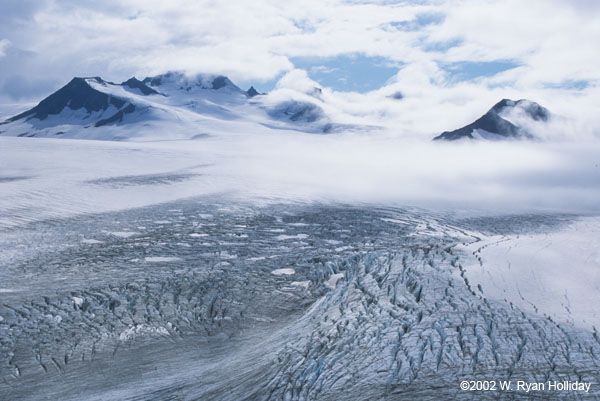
(496, 124)
(83, 103)
(82, 94)
(175, 82)
(171, 105)
(134, 83)
(252, 92)
(297, 111)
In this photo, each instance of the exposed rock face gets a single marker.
(135, 83)
(493, 126)
(172, 99)
(179, 81)
(117, 117)
(252, 92)
(82, 102)
(297, 111)
(75, 95)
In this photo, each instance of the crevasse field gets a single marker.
(292, 266)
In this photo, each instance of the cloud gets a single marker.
(550, 44)
(297, 80)
(504, 177)
(4, 43)
(21, 87)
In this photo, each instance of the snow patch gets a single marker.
(141, 329)
(285, 271)
(161, 259)
(286, 237)
(91, 241)
(123, 234)
(333, 279)
(396, 221)
(303, 284)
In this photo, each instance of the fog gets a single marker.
(503, 176)
(62, 177)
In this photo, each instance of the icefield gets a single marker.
(362, 200)
(286, 266)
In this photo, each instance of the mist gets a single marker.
(508, 176)
(378, 168)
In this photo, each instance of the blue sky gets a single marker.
(360, 73)
(469, 70)
(346, 73)
(354, 72)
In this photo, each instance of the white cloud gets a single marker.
(297, 80)
(4, 43)
(553, 42)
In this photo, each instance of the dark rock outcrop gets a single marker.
(493, 124)
(135, 83)
(75, 95)
(296, 111)
(252, 92)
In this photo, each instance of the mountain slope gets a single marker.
(494, 125)
(175, 106)
(76, 95)
(176, 84)
(171, 105)
(84, 103)
(134, 83)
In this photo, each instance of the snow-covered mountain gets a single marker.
(507, 119)
(88, 102)
(169, 106)
(178, 106)
(88, 107)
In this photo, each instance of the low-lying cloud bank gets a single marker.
(49, 178)
(503, 176)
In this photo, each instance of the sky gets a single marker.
(420, 65)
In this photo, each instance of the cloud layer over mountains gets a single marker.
(452, 59)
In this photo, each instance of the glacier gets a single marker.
(203, 243)
(197, 270)
(377, 303)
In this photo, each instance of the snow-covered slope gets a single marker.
(167, 106)
(507, 119)
(555, 273)
(86, 103)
